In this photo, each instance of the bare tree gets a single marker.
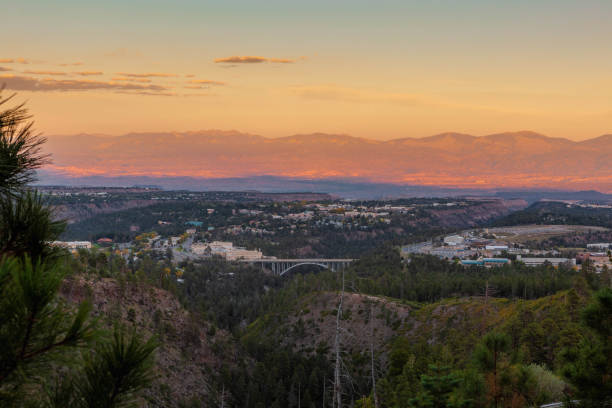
(488, 292)
(372, 356)
(337, 401)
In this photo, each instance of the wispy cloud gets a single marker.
(23, 83)
(252, 60)
(147, 75)
(5, 69)
(281, 61)
(240, 60)
(53, 73)
(89, 73)
(206, 82)
(14, 61)
(147, 93)
(71, 64)
(145, 80)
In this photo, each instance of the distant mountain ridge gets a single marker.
(454, 160)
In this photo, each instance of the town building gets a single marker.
(226, 250)
(496, 247)
(72, 244)
(541, 261)
(600, 245)
(488, 262)
(454, 240)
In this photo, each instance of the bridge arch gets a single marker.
(324, 266)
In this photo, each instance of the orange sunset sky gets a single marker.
(380, 70)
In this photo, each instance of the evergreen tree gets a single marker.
(590, 365)
(437, 390)
(39, 333)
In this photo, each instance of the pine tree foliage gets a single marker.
(20, 148)
(589, 366)
(117, 370)
(40, 336)
(35, 324)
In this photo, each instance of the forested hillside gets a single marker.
(558, 213)
(424, 318)
(269, 341)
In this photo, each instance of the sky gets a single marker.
(375, 69)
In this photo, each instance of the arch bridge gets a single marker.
(281, 266)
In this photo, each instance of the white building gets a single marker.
(600, 245)
(454, 240)
(199, 248)
(496, 247)
(244, 254)
(225, 249)
(72, 244)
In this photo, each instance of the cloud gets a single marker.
(147, 75)
(89, 73)
(23, 83)
(132, 79)
(189, 75)
(206, 82)
(71, 64)
(44, 72)
(148, 93)
(252, 60)
(240, 60)
(14, 61)
(5, 69)
(281, 61)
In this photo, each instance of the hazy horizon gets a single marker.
(376, 70)
(507, 160)
(378, 139)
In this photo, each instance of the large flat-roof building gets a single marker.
(72, 244)
(541, 261)
(454, 240)
(488, 262)
(225, 249)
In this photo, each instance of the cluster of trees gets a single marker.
(501, 373)
(229, 296)
(279, 378)
(118, 225)
(525, 361)
(52, 354)
(426, 278)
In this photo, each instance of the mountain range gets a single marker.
(449, 160)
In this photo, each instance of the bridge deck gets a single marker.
(318, 260)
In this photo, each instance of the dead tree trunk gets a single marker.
(372, 356)
(337, 401)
